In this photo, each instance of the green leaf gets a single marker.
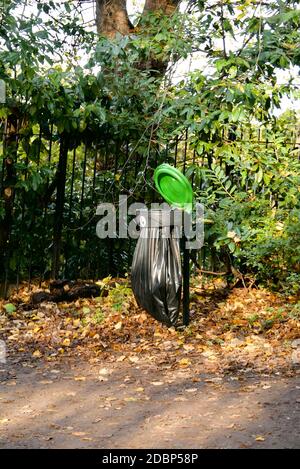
(42, 34)
(67, 7)
(232, 246)
(10, 308)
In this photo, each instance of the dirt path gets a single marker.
(118, 405)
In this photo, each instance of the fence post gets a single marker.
(7, 194)
(186, 284)
(59, 206)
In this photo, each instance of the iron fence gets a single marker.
(50, 187)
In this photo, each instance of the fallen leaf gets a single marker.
(97, 420)
(66, 343)
(119, 326)
(213, 380)
(121, 358)
(76, 322)
(188, 347)
(184, 362)
(134, 359)
(11, 383)
(232, 425)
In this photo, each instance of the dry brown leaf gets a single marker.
(119, 326)
(184, 362)
(134, 359)
(121, 358)
(66, 342)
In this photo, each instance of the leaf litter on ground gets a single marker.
(235, 329)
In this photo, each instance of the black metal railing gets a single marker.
(50, 188)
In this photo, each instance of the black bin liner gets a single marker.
(156, 268)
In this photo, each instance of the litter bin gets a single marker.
(156, 269)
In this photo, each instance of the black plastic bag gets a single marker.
(156, 269)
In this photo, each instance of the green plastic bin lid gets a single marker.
(174, 187)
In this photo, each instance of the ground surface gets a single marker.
(88, 405)
(101, 373)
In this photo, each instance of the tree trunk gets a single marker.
(112, 18)
(167, 7)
